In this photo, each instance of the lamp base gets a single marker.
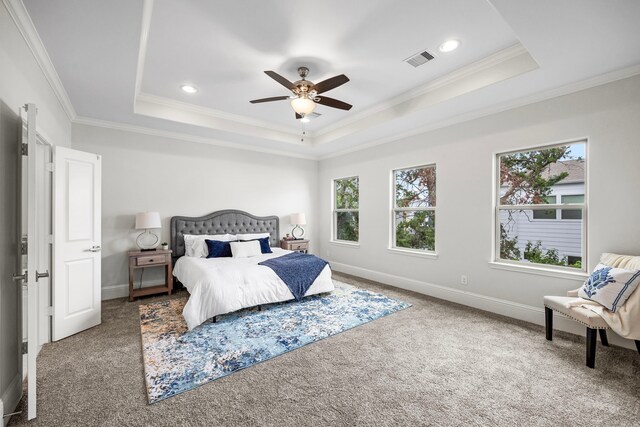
(147, 241)
(300, 232)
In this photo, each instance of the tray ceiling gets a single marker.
(124, 61)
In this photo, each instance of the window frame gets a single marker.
(394, 208)
(535, 268)
(336, 210)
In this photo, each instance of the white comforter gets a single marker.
(222, 285)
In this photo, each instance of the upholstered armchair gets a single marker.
(596, 318)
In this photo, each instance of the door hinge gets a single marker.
(50, 167)
(25, 347)
(50, 311)
(24, 149)
(50, 238)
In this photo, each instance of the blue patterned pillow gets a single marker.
(609, 286)
(218, 249)
(265, 246)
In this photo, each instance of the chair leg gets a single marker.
(548, 323)
(638, 345)
(591, 347)
(603, 337)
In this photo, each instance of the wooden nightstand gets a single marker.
(295, 245)
(157, 258)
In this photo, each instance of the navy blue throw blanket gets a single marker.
(297, 270)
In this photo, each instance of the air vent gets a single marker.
(419, 59)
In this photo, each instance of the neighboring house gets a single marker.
(559, 229)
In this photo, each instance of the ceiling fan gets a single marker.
(306, 93)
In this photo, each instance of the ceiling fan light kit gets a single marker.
(303, 105)
(305, 93)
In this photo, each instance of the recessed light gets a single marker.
(449, 46)
(188, 89)
(305, 120)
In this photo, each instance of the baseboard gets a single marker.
(115, 291)
(11, 397)
(500, 306)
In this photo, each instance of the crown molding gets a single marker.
(421, 91)
(505, 106)
(180, 136)
(495, 68)
(186, 113)
(217, 114)
(27, 29)
(147, 11)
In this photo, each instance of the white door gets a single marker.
(30, 250)
(77, 239)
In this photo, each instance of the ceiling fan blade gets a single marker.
(330, 102)
(332, 83)
(277, 77)
(298, 116)
(273, 98)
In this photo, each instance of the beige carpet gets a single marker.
(436, 363)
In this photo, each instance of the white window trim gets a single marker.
(345, 243)
(424, 253)
(414, 252)
(334, 228)
(542, 269)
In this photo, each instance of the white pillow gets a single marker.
(195, 246)
(610, 286)
(245, 249)
(252, 236)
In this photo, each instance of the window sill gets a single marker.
(541, 271)
(419, 254)
(345, 243)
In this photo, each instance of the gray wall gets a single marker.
(607, 115)
(175, 177)
(21, 81)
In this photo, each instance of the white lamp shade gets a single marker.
(298, 219)
(148, 220)
(303, 105)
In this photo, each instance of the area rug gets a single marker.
(177, 360)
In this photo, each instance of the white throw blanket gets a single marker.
(626, 320)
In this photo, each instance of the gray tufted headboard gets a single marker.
(228, 221)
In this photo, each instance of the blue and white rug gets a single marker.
(177, 360)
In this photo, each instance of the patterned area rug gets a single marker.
(177, 360)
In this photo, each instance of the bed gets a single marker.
(222, 285)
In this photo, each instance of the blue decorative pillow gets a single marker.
(218, 249)
(609, 286)
(265, 246)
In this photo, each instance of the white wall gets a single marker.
(21, 81)
(606, 115)
(174, 177)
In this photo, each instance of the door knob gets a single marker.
(41, 275)
(95, 249)
(22, 277)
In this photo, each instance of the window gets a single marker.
(549, 213)
(539, 190)
(414, 208)
(345, 211)
(572, 213)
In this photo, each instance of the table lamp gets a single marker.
(147, 241)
